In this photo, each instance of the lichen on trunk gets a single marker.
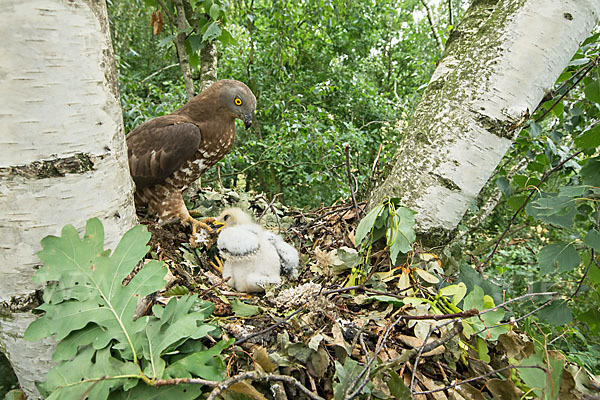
(62, 152)
(498, 64)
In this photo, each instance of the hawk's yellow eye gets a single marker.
(237, 101)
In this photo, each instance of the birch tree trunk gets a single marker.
(498, 64)
(62, 151)
(208, 65)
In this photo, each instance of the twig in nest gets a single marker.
(270, 328)
(352, 181)
(414, 370)
(256, 377)
(202, 293)
(455, 384)
(268, 206)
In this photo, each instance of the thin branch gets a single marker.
(517, 299)
(592, 63)
(516, 214)
(152, 75)
(370, 361)
(414, 369)
(256, 377)
(546, 304)
(438, 40)
(438, 317)
(270, 328)
(179, 40)
(454, 385)
(351, 181)
(179, 381)
(592, 257)
(407, 355)
(268, 206)
(376, 162)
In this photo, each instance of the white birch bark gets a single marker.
(62, 151)
(498, 64)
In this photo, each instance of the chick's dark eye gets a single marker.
(226, 217)
(237, 101)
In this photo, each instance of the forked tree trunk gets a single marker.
(62, 151)
(502, 59)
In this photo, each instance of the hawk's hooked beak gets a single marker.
(247, 120)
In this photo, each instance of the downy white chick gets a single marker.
(254, 257)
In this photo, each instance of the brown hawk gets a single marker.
(168, 153)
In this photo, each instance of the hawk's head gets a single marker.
(239, 99)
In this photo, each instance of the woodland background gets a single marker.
(336, 83)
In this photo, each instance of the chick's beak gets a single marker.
(247, 120)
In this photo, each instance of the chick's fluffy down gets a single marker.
(253, 256)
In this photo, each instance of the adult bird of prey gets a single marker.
(168, 153)
(254, 257)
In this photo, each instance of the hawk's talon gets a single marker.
(203, 232)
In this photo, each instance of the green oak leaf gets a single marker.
(559, 256)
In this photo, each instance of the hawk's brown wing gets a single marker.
(159, 147)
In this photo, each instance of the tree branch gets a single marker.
(516, 214)
(438, 40)
(179, 41)
(256, 377)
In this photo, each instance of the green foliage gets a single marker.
(483, 323)
(102, 349)
(389, 220)
(325, 75)
(345, 376)
(559, 154)
(545, 384)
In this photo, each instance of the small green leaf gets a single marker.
(482, 350)
(515, 202)
(242, 309)
(178, 290)
(592, 318)
(166, 40)
(366, 224)
(592, 91)
(226, 38)
(426, 276)
(386, 299)
(405, 233)
(397, 387)
(212, 32)
(590, 172)
(534, 129)
(200, 363)
(561, 256)
(344, 376)
(589, 138)
(477, 299)
(457, 292)
(592, 239)
(504, 186)
(553, 209)
(557, 313)
(214, 11)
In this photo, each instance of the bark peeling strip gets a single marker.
(75, 164)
